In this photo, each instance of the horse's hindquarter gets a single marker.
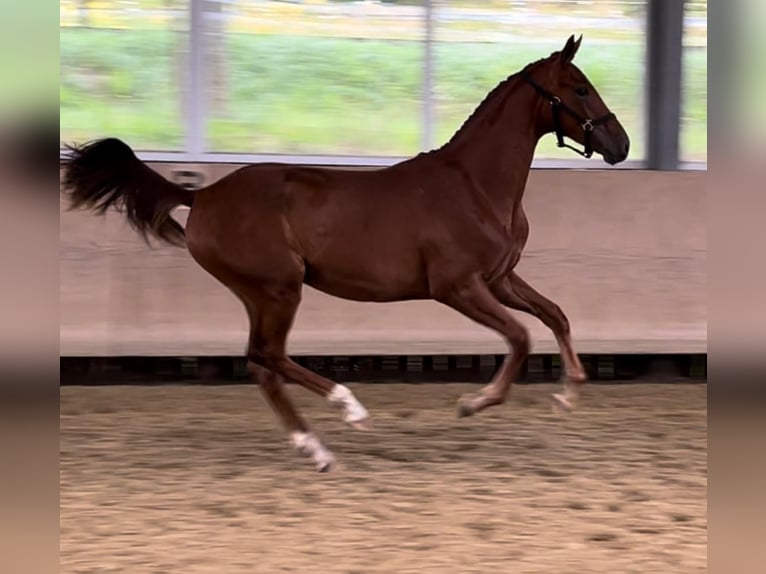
(235, 226)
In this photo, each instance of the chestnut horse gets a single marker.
(446, 225)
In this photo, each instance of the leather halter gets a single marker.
(557, 106)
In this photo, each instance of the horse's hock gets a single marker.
(623, 252)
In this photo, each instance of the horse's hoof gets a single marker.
(362, 424)
(561, 404)
(308, 444)
(464, 411)
(465, 406)
(576, 379)
(324, 461)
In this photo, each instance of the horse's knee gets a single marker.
(254, 369)
(268, 357)
(266, 378)
(518, 338)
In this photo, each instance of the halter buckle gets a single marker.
(587, 125)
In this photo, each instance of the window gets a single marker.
(335, 77)
(123, 69)
(345, 77)
(693, 135)
(481, 43)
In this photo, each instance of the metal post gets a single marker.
(428, 103)
(195, 122)
(665, 22)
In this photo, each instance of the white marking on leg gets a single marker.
(308, 444)
(353, 410)
(566, 400)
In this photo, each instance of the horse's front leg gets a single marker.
(517, 294)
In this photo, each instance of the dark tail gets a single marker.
(106, 173)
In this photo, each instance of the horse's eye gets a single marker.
(581, 91)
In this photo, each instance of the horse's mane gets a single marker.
(491, 102)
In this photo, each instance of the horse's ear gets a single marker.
(570, 50)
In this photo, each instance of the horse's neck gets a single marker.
(498, 154)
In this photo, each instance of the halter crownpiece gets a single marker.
(587, 124)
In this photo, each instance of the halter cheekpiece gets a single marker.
(557, 106)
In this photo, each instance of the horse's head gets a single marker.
(576, 109)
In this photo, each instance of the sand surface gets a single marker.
(193, 479)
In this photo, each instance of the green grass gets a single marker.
(328, 95)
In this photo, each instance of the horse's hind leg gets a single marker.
(518, 294)
(303, 439)
(276, 310)
(272, 387)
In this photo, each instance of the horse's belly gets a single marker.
(379, 281)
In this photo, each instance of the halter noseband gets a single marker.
(557, 106)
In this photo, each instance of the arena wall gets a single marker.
(623, 252)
